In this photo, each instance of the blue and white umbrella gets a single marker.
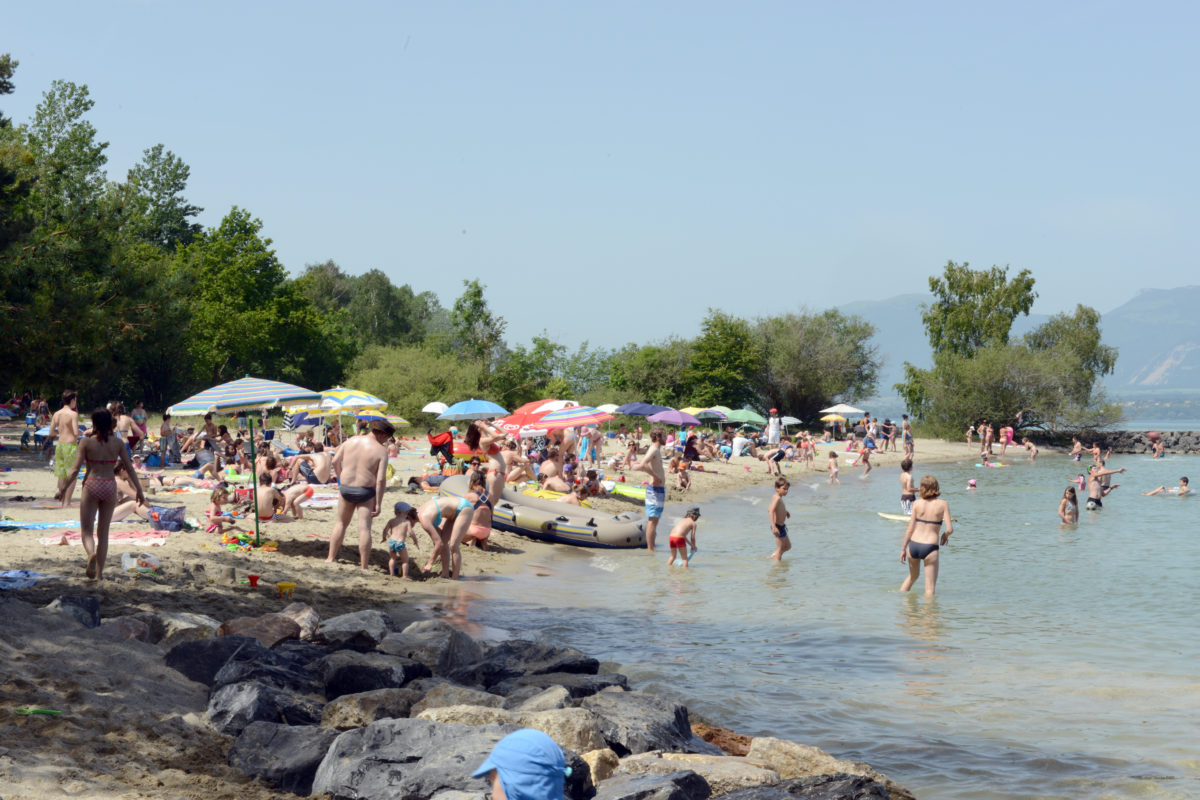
(473, 409)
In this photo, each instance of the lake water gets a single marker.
(1054, 662)
(1159, 425)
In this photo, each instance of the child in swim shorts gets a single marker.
(396, 533)
(778, 514)
(680, 534)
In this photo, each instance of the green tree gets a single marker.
(69, 179)
(1076, 336)
(8, 66)
(584, 371)
(725, 359)
(525, 374)
(654, 373)
(813, 360)
(162, 215)
(408, 377)
(479, 334)
(973, 308)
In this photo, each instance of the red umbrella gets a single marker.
(520, 419)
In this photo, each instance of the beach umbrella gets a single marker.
(710, 413)
(472, 409)
(340, 399)
(673, 417)
(367, 416)
(573, 417)
(746, 415)
(519, 419)
(842, 408)
(786, 421)
(435, 407)
(833, 418)
(693, 410)
(722, 409)
(610, 408)
(246, 394)
(640, 409)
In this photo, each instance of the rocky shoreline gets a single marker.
(366, 705)
(1138, 442)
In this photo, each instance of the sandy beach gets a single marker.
(132, 728)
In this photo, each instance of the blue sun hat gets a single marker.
(530, 766)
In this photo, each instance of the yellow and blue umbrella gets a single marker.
(342, 400)
(367, 416)
(245, 394)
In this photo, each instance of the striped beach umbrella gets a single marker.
(340, 398)
(572, 418)
(245, 394)
(367, 416)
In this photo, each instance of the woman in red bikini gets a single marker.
(100, 450)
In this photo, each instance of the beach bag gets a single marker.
(169, 519)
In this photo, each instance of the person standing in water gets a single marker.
(1068, 507)
(778, 514)
(908, 493)
(656, 492)
(921, 542)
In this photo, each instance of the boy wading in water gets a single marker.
(684, 531)
(779, 514)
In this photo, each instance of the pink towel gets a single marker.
(141, 538)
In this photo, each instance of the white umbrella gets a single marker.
(607, 407)
(842, 408)
(435, 408)
(789, 421)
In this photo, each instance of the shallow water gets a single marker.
(1057, 662)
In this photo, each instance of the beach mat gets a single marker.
(131, 537)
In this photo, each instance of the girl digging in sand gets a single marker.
(216, 517)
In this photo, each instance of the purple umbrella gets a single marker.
(640, 409)
(673, 417)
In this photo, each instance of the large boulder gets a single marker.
(124, 629)
(722, 773)
(361, 709)
(685, 785)
(574, 728)
(280, 674)
(286, 756)
(468, 715)
(635, 722)
(450, 694)
(436, 644)
(817, 787)
(578, 685)
(350, 672)
(515, 658)
(84, 610)
(268, 629)
(231, 708)
(417, 758)
(792, 760)
(602, 763)
(173, 628)
(358, 630)
(531, 698)
(202, 659)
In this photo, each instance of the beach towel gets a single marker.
(141, 538)
(321, 501)
(19, 578)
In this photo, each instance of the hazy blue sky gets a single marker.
(611, 170)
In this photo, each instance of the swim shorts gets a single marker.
(782, 532)
(656, 501)
(395, 547)
(307, 472)
(677, 543)
(64, 458)
(357, 494)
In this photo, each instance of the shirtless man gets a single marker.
(361, 467)
(552, 464)
(515, 465)
(314, 467)
(908, 493)
(656, 492)
(64, 426)
(1096, 488)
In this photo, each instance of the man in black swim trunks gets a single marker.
(1096, 485)
(361, 467)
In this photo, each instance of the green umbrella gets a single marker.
(745, 415)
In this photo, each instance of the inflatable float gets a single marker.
(562, 523)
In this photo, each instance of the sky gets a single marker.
(610, 171)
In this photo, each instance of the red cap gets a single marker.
(774, 411)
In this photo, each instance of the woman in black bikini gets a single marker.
(921, 537)
(100, 450)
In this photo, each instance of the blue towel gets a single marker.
(19, 578)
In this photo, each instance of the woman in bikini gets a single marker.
(100, 451)
(921, 537)
(441, 517)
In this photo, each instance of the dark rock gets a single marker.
(349, 672)
(286, 756)
(202, 659)
(816, 787)
(684, 785)
(515, 658)
(436, 644)
(300, 652)
(531, 698)
(171, 628)
(84, 610)
(125, 628)
(360, 630)
(231, 708)
(634, 722)
(577, 685)
(297, 679)
(416, 758)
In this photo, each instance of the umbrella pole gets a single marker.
(253, 479)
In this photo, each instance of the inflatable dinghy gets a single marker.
(563, 523)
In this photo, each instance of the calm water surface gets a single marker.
(1057, 662)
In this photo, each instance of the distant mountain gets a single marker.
(1157, 336)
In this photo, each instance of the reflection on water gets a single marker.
(1053, 662)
